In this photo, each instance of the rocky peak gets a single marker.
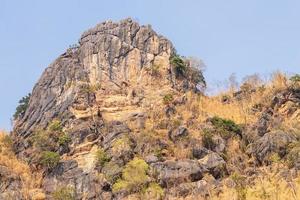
(109, 56)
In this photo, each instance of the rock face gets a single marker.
(272, 142)
(10, 184)
(112, 56)
(99, 92)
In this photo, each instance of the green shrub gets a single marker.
(134, 176)
(207, 139)
(153, 192)
(55, 126)
(178, 65)
(295, 78)
(64, 139)
(101, 157)
(168, 98)
(120, 146)
(64, 193)
(22, 107)
(41, 140)
(225, 127)
(49, 159)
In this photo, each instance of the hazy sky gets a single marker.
(232, 36)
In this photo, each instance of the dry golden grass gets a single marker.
(270, 186)
(30, 181)
(239, 110)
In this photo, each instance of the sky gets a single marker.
(232, 36)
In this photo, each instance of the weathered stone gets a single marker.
(199, 188)
(178, 133)
(68, 173)
(200, 152)
(10, 184)
(175, 172)
(109, 55)
(219, 144)
(151, 159)
(272, 142)
(215, 164)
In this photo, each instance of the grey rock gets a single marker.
(104, 55)
(219, 144)
(200, 188)
(215, 164)
(200, 152)
(171, 172)
(151, 159)
(10, 184)
(272, 142)
(67, 173)
(178, 133)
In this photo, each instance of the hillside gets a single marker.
(122, 116)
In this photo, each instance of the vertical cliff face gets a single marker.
(110, 55)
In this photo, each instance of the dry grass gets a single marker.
(30, 181)
(270, 186)
(240, 110)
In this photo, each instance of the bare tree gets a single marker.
(196, 63)
(254, 80)
(233, 83)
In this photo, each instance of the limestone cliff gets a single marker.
(113, 56)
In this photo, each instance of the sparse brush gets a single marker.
(30, 180)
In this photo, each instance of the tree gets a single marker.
(196, 63)
(233, 84)
(22, 107)
(194, 72)
(178, 65)
(254, 80)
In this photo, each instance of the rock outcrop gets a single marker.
(110, 56)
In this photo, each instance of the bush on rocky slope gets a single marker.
(134, 176)
(49, 159)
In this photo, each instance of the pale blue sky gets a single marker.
(232, 36)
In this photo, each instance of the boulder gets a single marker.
(200, 152)
(272, 142)
(151, 159)
(178, 133)
(68, 174)
(219, 144)
(199, 188)
(170, 172)
(215, 164)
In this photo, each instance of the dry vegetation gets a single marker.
(268, 186)
(243, 109)
(30, 181)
